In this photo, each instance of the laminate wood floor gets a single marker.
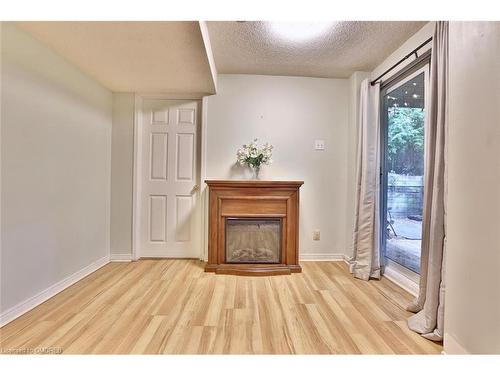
(173, 307)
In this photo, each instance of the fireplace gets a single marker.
(253, 227)
(253, 240)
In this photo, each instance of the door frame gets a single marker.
(405, 276)
(137, 168)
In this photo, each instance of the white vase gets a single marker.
(255, 173)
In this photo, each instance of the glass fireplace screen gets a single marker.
(253, 240)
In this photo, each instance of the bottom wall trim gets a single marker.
(451, 345)
(124, 257)
(323, 257)
(400, 280)
(50, 292)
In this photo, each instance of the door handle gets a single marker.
(195, 189)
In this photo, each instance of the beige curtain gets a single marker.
(365, 263)
(429, 305)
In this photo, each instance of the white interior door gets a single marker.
(169, 225)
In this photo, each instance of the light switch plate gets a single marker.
(319, 144)
(316, 235)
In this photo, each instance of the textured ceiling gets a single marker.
(151, 57)
(345, 47)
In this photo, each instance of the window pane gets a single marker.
(404, 111)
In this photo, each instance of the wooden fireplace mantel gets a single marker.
(253, 199)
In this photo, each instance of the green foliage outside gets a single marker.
(406, 141)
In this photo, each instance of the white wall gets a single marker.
(416, 39)
(122, 161)
(290, 113)
(472, 310)
(55, 165)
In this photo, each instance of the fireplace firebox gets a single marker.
(253, 227)
(251, 240)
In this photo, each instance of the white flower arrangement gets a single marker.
(254, 156)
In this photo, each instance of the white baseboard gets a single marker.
(32, 302)
(402, 281)
(451, 345)
(323, 257)
(125, 257)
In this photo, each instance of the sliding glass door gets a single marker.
(403, 123)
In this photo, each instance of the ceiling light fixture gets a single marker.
(299, 31)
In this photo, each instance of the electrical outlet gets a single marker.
(316, 235)
(319, 144)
